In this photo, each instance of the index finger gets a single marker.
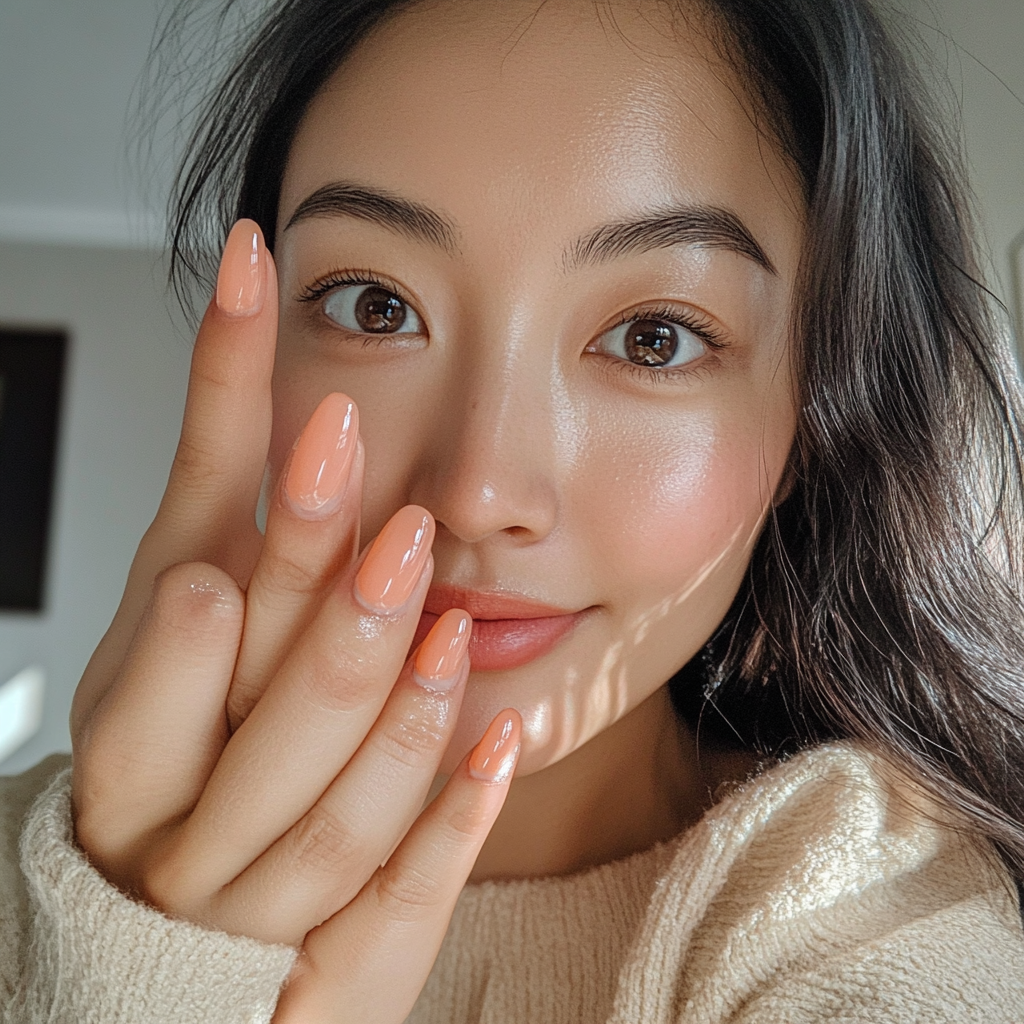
(208, 509)
(218, 467)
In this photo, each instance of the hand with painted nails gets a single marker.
(253, 746)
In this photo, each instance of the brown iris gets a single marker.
(651, 342)
(379, 311)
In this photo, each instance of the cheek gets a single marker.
(294, 402)
(687, 500)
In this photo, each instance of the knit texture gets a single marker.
(827, 889)
(90, 955)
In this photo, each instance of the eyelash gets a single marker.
(700, 327)
(336, 279)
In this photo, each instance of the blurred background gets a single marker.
(80, 257)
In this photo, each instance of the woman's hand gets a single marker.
(252, 749)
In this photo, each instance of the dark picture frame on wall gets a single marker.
(31, 383)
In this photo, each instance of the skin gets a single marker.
(535, 455)
(252, 748)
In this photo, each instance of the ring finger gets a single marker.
(323, 861)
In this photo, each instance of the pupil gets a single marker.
(651, 342)
(379, 311)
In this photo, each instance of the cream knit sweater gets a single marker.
(822, 890)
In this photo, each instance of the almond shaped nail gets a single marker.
(242, 270)
(494, 757)
(441, 656)
(396, 560)
(322, 461)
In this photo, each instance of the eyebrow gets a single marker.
(379, 207)
(709, 227)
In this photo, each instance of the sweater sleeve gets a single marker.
(77, 949)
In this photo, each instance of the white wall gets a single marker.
(979, 45)
(124, 392)
(67, 68)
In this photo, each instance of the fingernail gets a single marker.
(240, 278)
(320, 465)
(494, 757)
(396, 560)
(441, 655)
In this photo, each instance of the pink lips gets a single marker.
(507, 631)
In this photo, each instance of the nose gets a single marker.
(489, 469)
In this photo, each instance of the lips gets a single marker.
(508, 631)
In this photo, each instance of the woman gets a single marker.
(643, 340)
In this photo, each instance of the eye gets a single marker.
(371, 309)
(646, 341)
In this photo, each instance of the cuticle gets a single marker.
(324, 511)
(450, 682)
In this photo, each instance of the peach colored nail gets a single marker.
(396, 560)
(320, 465)
(494, 757)
(241, 274)
(441, 655)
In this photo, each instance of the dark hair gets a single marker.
(882, 601)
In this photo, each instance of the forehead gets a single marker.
(559, 114)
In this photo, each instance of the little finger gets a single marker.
(388, 938)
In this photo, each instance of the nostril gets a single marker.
(477, 490)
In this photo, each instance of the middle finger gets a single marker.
(312, 535)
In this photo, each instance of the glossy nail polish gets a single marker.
(494, 757)
(395, 562)
(320, 465)
(442, 654)
(240, 280)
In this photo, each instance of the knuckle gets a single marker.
(411, 739)
(123, 856)
(468, 823)
(99, 825)
(290, 576)
(197, 462)
(211, 373)
(84, 745)
(195, 599)
(322, 841)
(341, 683)
(406, 894)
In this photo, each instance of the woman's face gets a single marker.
(547, 252)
